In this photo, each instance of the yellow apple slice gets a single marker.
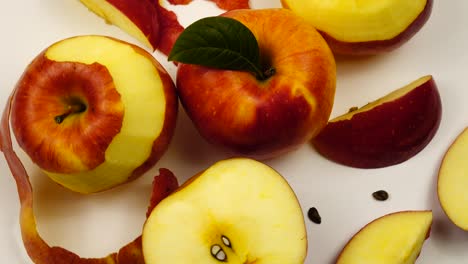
(453, 181)
(94, 112)
(365, 26)
(395, 238)
(236, 211)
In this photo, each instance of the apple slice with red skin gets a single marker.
(92, 122)
(393, 238)
(146, 20)
(385, 132)
(139, 18)
(364, 27)
(264, 118)
(453, 182)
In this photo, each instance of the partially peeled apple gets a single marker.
(94, 112)
(364, 27)
(236, 211)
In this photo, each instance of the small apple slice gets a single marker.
(139, 18)
(453, 182)
(364, 27)
(236, 211)
(393, 238)
(387, 131)
(94, 112)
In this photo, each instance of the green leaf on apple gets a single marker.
(219, 42)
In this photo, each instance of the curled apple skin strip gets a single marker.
(38, 250)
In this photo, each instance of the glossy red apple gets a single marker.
(263, 118)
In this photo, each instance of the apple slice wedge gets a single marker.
(385, 132)
(139, 18)
(237, 211)
(364, 27)
(453, 182)
(393, 238)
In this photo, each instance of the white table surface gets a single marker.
(96, 225)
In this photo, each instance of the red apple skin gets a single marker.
(387, 134)
(40, 94)
(144, 15)
(263, 119)
(380, 46)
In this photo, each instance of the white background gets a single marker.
(96, 225)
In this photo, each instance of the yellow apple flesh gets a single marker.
(236, 211)
(396, 238)
(132, 128)
(364, 27)
(453, 181)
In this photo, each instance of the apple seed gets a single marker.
(218, 253)
(314, 215)
(226, 241)
(352, 109)
(380, 195)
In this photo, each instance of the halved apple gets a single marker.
(393, 238)
(94, 112)
(236, 211)
(453, 182)
(387, 131)
(139, 18)
(364, 27)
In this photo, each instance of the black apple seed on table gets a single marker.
(314, 215)
(380, 195)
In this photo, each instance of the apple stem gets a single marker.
(72, 109)
(265, 75)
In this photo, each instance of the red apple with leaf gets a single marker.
(244, 88)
